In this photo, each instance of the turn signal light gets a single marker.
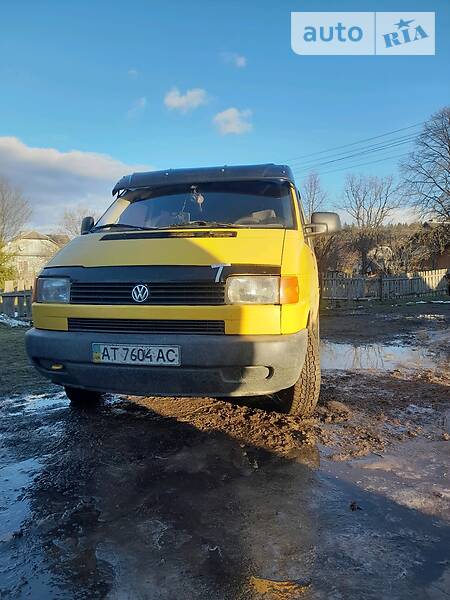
(288, 289)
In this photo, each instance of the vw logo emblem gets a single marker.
(140, 293)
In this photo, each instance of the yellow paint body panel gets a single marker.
(261, 246)
(238, 319)
(299, 260)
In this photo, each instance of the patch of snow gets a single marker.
(430, 301)
(428, 317)
(10, 322)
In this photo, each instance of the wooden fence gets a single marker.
(383, 287)
(15, 298)
(16, 304)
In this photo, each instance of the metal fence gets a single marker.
(383, 287)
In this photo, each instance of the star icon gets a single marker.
(402, 23)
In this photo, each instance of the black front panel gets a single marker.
(182, 285)
(156, 273)
(160, 326)
(187, 294)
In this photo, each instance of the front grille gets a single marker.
(189, 293)
(147, 326)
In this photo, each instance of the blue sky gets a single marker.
(92, 77)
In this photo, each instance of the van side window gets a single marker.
(300, 207)
(309, 240)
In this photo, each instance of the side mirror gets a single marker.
(86, 225)
(323, 223)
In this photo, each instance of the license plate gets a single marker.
(132, 354)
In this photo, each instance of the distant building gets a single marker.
(31, 250)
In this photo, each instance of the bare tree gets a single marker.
(313, 195)
(70, 222)
(14, 211)
(7, 271)
(369, 201)
(426, 171)
(327, 249)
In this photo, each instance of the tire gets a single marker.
(300, 399)
(82, 398)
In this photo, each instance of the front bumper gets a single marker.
(212, 365)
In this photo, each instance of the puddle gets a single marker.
(14, 509)
(22, 404)
(414, 475)
(378, 357)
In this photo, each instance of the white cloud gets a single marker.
(237, 60)
(192, 99)
(233, 120)
(133, 73)
(137, 107)
(52, 180)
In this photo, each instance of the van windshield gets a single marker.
(253, 204)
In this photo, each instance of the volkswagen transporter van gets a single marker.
(195, 282)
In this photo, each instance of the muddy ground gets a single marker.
(202, 499)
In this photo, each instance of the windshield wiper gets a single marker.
(123, 225)
(187, 225)
(216, 224)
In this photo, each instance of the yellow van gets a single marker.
(194, 282)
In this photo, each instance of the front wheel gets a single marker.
(79, 397)
(301, 398)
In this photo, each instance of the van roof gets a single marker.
(203, 174)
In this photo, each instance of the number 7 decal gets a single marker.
(219, 268)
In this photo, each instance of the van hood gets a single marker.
(174, 247)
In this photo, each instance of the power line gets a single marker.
(372, 162)
(376, 146)
(352, 143)
(362, 152)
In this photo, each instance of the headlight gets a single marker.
(261, 289)
(250, 289)
(53, 290)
